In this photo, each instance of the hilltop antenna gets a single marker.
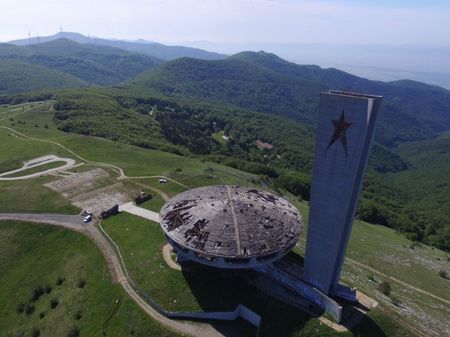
(29, 37)
(38, 38)
(60, 31)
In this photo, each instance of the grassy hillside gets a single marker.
(75, 278)
(266, 83)
(20, 76)
(96, 65)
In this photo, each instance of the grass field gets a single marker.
(14, 150)
(34, 255)
(31, 196)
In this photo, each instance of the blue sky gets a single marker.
(384, 22)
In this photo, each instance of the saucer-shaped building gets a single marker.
(230, 226)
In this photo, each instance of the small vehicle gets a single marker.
(162, 181)
(87, 218)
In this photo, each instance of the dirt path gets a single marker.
(163, 177)
(424, 292)
(166, 251)
(114, 167)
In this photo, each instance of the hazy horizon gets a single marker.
(236, 21)
(383, 40)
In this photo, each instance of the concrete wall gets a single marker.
(343, 140)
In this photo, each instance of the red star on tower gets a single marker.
(340, 127)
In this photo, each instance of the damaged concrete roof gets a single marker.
(231, 221)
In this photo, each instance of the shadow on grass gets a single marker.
(219, 290)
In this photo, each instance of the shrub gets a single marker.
(20, 308)
(78, 315)
(54, 303)
(74, 332)
(28, 309)
(385, 288)
(37, 293)
(443, 274)
(60, 280)
(46, 126)
(81, 283)
(371, 277)
(36, 125)
(48, 289)
(41, 315)
(35, 332)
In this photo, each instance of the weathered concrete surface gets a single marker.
(232, 222)
(74, 222)
(131, 208)
(69, 162)
(343, 139)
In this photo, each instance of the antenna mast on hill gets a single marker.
(38, 38)
(29, 37)
(60, 31)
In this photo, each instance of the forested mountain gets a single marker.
(223, 110)
(86, 64)
(264, 82)
(427, 184)
(230, 135)
(19, 76)
(154, 49)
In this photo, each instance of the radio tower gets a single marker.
(60, 31)
(29, 37)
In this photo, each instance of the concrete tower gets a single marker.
(344, 137)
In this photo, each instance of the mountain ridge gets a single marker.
(95, 65)
(154, 49)
(264, 82)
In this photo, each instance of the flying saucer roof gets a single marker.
(231, 222)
